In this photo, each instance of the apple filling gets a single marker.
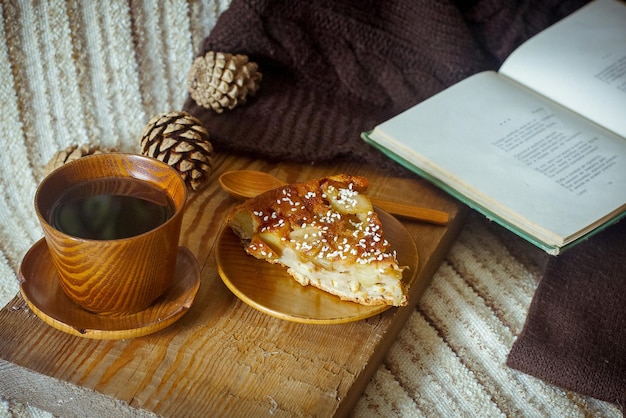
(327, 234)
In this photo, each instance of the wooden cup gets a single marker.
(119, 276)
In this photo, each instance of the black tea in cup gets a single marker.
(110, 208)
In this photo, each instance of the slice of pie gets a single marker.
(326, 233)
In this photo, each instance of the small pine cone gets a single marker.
(220, 80)
(180, 140)
(71, 153)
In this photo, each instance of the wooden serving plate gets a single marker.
(268, 288)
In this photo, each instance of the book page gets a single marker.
(526, 159)
(580, 62)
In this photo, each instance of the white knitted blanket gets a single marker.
(73, 72)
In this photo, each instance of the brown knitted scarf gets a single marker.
(335, 68)
(575, 332)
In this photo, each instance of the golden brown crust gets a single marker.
(330, 225)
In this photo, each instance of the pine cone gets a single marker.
(73, 152)
(180, 140)
(220, 80)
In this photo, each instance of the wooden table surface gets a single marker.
(223, 358)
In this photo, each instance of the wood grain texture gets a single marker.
(224, 357)
(42, 292)
(113, 276)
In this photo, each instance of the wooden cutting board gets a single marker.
(222, 358)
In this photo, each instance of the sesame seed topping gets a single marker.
(333, 234)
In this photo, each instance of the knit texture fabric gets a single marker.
(96, 71)
(575, 333)
(335, 68)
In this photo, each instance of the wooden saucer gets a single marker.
(270, 289)
(41, 290)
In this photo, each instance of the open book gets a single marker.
(540, 146)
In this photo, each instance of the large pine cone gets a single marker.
(180, 140)
(73, 152)
(221, 81)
